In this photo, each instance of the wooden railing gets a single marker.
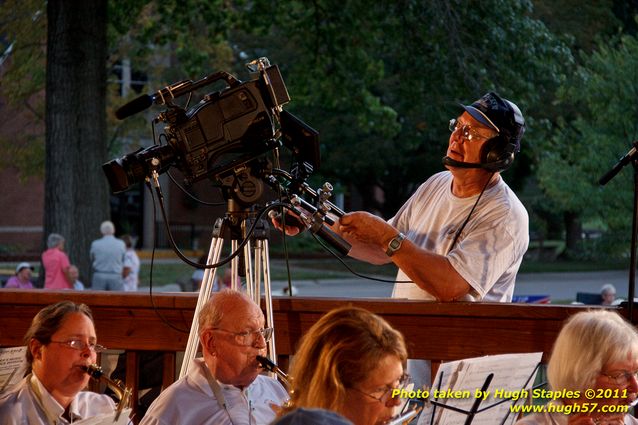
(136, 322)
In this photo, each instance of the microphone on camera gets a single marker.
(134, 106)
(160, 97)
(168, 93)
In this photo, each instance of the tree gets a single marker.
(380, 80)
(23, 29)
(76, 197)
(603, 91)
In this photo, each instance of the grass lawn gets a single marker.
(322, 268)
(166, 273)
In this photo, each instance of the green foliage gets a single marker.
(603, 91)
(23, 26)
(379, 80)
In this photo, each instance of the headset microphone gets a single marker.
(500, 164)
(454, 163)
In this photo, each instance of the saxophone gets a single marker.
(122, 392)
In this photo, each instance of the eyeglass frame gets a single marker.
(624, 374)
(266, 333)
(71, 343)
(467, 132)
(404, 381)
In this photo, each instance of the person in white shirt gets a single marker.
(131, 269)
(60, 342)
(594, 364)
(107, 256)
(224, 387)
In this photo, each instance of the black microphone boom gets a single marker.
(619, 165)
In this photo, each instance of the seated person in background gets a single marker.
(349, 362)
(225, 387)
(59, 342)
(608, 294)
(595, 350)
(22, 278)
(74, 275)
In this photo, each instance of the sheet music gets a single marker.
(13, 364)
(107, 419)
(464, 381)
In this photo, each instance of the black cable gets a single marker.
(243, 243)
(458, 232)
(150, 279)
(334, 254)
(190, 195)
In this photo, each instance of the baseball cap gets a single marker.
(499, 114)
(303, 416)
(23, 266)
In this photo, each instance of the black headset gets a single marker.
(497, 154)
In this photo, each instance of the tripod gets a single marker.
(237, 222)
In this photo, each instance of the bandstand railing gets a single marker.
(134, 322)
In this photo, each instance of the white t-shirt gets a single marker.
(132, 261)
(190, 400)
(490, 249)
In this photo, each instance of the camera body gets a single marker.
(225, 129)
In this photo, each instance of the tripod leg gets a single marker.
(204, 295)
(234, 267)
(270, 322)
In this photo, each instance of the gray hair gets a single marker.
(587, 343)
(608, 289)
(54, 240)
(220, 303)
(107, 228)
(49, 320)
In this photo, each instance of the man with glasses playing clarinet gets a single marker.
(225, 386)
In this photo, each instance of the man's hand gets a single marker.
(367, 229)
(293, 224)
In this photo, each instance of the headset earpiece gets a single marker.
(497, 154)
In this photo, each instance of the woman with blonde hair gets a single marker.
(349, 362)
(594, 363)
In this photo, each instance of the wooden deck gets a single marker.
(135, 322)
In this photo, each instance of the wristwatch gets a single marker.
(394, 244)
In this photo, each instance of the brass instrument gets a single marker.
(403, 418)
(121, 391)
(270, 366)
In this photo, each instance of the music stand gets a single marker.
(475, 408)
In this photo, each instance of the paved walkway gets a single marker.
(559, 286)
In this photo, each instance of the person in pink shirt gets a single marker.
(56, 264)
(22, 278)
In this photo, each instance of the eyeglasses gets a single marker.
(466, 130)
(249, 337)
(622, 378)
(80, 345)
(383, 394)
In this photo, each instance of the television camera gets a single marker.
(225, 136)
